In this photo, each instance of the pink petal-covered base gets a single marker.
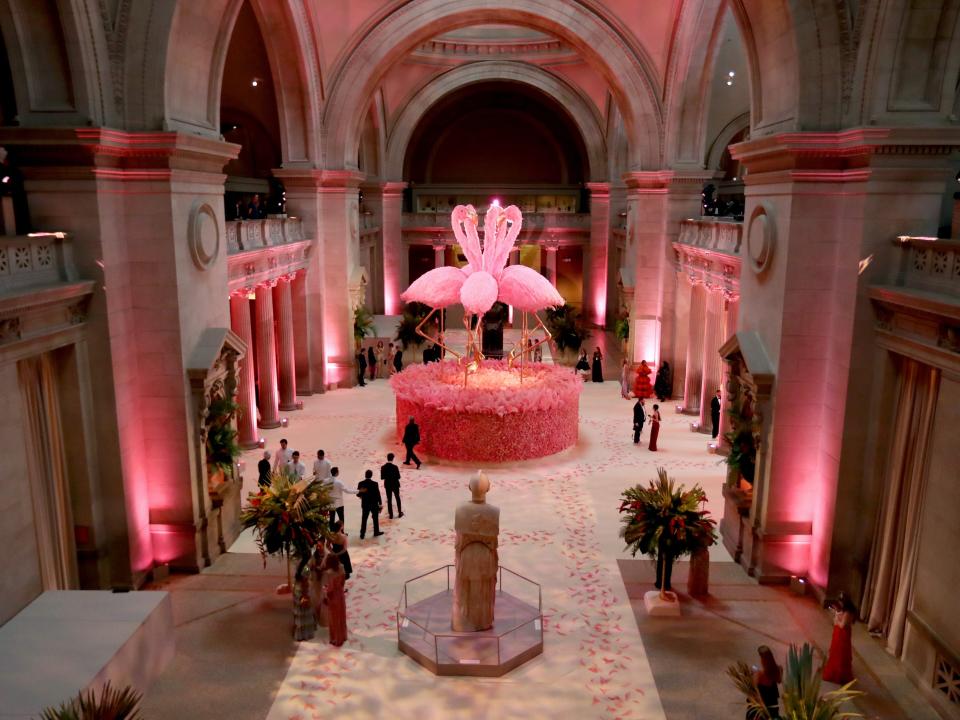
(495, 418)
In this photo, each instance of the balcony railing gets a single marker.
(720, 234)
(531, 221)
(34, 260)
(930, 264)
(244, 235)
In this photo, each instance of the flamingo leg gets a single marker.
(421, 333)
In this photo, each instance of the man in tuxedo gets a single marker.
(715, 414)
(390, 474)
(361, 367)
(411, 438)
(263, 470)
(370, 503)
(639, 417)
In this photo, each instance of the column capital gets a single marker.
(598, 190)
(320, 180)
(662, 181)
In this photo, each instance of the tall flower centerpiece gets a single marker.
(288, 517)
(665, 522)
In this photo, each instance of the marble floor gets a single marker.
(559, 527)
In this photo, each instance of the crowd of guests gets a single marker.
(320, 586)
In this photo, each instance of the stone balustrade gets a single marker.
(707, 251)
(532, 221)
(930, 264)
(35, 260)
(246, 235)
(720, 234)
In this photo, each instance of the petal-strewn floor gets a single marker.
(559, 527)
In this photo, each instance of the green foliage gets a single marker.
(498, 314)
(622, 328)
(665, 517)
(801, 696)
(362, 322)
(288, 518)
(742, 439)
(222, 447)
(112, 704)
(413, 315)
(566, 326)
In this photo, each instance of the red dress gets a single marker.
(839, 666)
(654, 429)
(336, 609)
(641, 386)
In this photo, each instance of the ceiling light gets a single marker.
(731, 73)
(729, 82)
(255, 83)
(6, 179)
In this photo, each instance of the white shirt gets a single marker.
(281, 458)
(337, 489)
(297, 469)
(321, 469)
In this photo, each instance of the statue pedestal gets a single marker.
(424, 634)
(661, 607)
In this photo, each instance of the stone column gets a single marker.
(395, 273)
(693, 376)
(730, 327)
(682, 336)
(712, 370)
(301, 350)
(551, 251)
(268, 400)
(286, 358)
(595, 293)
(439, 251)
(246, 390)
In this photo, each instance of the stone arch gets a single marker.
(176, 82)
(585, 115)
(626, 68)
(720, 142)
(785, 94)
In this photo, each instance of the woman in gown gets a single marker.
(304, 623)
(625, 380)
(335, 599)
(337, 544)
(767, 677)
(583, 367)
(839, 666)
(654, 427)
(663, 385)
(597, 365)
(371, 362)
(641, 386)
(379, 355)
(317, 581)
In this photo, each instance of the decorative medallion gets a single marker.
(203, 235)
(760, 238)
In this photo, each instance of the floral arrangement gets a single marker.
(288, 517)
(663, 520)
(362, 323)
(413, 315)
(743, 439)
(801, 690)
(496, 417)
(222, 448)
(567, 327)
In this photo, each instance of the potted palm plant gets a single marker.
(362, 323)
(288, 517)
(111, 704)
(801, 697)
(567, 328)
(222, 448)
(665, 521)
(413, 315)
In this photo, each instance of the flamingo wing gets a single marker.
(479, 292)
(527, 290)
(437, 288)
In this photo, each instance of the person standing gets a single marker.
(390, 475)
(839, 665)
(411, 438)
(715, 414)
(663, 385)
(625, 380)
(597, 365)
(263, 470)
(378, 355)
(639, 418)
(767, 677)
(582, 366)
(388, 361)
(304, 621)
(538, 353)
(282, 456)
(337, 489)
(361, 367)
(371, 362)
(336, 601)
(654, 427)
(370, 503)
(337, 544)
(641, 384)
(321, 466)
(398, 359)
(296, 468)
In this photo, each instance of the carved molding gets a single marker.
(761, 238)
(9, 329)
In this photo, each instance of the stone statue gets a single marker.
(474, 593)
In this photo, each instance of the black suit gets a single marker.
(411, 437)
(639, 417)
(361, 367)
(370, 503)
(263, 468)
(390, 474)
(715, 415)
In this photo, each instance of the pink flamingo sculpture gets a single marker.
(484, 279)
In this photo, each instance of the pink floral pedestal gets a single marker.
(495, 418)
